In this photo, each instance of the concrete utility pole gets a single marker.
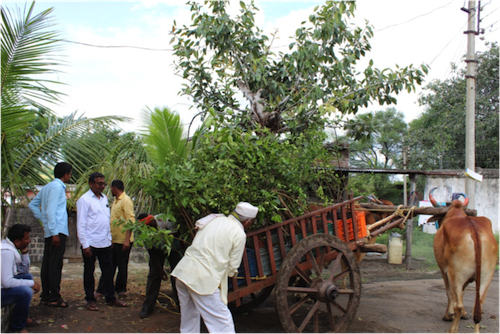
(470, 142)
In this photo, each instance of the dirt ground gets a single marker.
(393, 300)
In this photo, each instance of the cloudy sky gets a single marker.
(119, 59)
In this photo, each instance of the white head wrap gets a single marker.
(246, 210)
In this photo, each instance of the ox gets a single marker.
(466, 251)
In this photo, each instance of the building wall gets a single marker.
(25, 216)
(487, 194)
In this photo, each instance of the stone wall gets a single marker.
(73, 252)
(6, 314)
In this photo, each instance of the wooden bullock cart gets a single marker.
(309, 263)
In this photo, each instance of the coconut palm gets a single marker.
(28, 60)
(164, 135)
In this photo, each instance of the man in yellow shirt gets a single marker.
(122, 207)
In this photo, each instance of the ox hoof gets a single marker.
(448, 317)
(465, 316)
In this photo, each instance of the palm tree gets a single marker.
(164, 136)
(28, 58)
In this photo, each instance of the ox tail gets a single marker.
(477, 249)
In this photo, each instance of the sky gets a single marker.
(102, 79)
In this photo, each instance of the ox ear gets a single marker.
(433, 201)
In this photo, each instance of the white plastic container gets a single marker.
(395, 250)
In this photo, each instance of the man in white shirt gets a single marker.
(16, 279)
(94, 234)
(202, 274)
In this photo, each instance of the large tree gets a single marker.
(376, 140)
(437, 138)
(224, 58)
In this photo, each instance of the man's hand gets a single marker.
(87, 252)
(126, 245)
(56, 241)
(36, 287)
(164, 275)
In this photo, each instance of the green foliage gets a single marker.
(222, 56)
(497, 237)
(33, 138)
(231, 165)
(164, 135)
(437, 138)
(376, 139)
(147, 236)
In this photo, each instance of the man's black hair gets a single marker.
(118, 184)
(61, 169)
(142, 215)
(16, 232)
(94, 176)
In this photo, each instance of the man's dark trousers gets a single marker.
(120, 261)
(106, 264)
(50, 274)
(155, 274)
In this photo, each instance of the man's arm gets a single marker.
(128, 214)
(24, 266)
(35, 206)
(81, 223)
(236, 254)
(8, 279)
(54, 196)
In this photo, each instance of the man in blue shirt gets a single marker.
(49, 205)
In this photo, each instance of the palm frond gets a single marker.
(164, 135)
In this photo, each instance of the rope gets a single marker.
(400, 213)
(171, 301)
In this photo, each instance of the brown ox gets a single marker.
(465, 251)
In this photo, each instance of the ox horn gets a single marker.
(455, 196)
(433, 201)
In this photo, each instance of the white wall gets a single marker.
(487, 198)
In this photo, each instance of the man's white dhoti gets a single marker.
(214, 312)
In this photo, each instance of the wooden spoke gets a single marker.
(315, 265)
(300, 289)
(300, 316)
(296, 306)
(345, 291)
(340, 308)
(302, 274)
(330, 316)
(309, 315)
(340, 276)
(335, 266)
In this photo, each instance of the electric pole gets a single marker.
(470, 142)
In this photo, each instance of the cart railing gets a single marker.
(267, 247)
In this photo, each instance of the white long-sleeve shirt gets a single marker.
(92, 221)
(214, 255)
(12, 264)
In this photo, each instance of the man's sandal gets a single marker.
(59, 303)
(32, 323)
(91, 306)
(118, 303)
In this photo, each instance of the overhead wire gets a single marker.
(414, 18)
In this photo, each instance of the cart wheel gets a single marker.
(308, 295)
(251, 301)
